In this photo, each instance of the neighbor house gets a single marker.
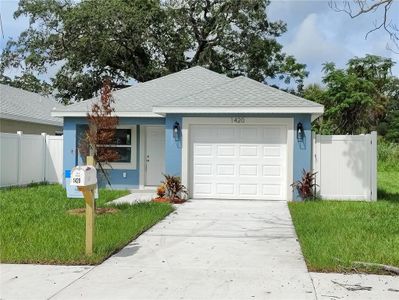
(228, 138)
(28, 112)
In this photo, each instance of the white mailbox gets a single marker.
(83, 176)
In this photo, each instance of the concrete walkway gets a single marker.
(136, 196)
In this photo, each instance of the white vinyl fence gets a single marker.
(27, 158)
(346, 166)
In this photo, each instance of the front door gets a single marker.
(155, 155)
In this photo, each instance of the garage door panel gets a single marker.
(268, 170)
(202, 150)
(248, 170)
(240, 161)
(203, 169)
(271, 189)
(248, 150)
(225, 150)
(273, 135)
(225, 170)
(272, 151)
(249, 134)
(248, 190)
(203, 188)
(225, 188)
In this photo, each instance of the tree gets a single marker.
(27, 82)
(96, 140)
(357, 8)
(356, 99)
(144, 39)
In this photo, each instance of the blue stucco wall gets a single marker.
(71, 157)
(302, 149)
(173, 148)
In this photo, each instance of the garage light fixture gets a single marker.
(176, 131)
(299, 132)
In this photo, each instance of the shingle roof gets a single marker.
(197, 87)
(142, 97)
(242, 92)
(21, 105)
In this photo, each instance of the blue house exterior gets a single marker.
(170, 120)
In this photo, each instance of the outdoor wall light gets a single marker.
(299, 132)
(176, 131)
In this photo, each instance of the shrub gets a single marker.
(173, 186)
(388, 156)
(306, 186)
(161, 191)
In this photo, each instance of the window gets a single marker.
(125, 144)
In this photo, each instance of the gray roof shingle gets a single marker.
(242, 92)
(196, 87)
(21, 105)
(142, 97)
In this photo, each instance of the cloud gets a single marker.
(313, 47)
(310, 44)
(317, 34)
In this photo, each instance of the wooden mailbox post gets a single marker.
(88, 193)
(85, 178)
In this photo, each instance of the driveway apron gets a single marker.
(206, 249)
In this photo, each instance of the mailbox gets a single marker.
(83, 176)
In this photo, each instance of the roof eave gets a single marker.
(314, 110)
(30, 120)
(132, 114)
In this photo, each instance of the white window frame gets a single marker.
(132, 165)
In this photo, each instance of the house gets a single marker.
(232, 138)
(28, 112)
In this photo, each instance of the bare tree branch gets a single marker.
(356, 8)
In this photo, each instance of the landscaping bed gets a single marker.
(336, 234)
(37, 226)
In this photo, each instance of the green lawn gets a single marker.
(35, 226)
(334, 234)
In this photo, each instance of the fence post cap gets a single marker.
(20, 132)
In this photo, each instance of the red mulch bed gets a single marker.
(167, 200)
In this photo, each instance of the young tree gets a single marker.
(145, 39)
(356, 99)
(96, 140)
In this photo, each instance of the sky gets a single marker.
(316, 34)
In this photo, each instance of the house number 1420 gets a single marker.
(238, 120)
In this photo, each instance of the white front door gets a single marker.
(239, 161)
(154, 155)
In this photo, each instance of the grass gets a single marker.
(36, 227)
(334, 234)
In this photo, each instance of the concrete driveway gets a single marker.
(207, 249)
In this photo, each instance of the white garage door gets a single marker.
(239, 161)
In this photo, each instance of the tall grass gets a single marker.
(388, 156)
